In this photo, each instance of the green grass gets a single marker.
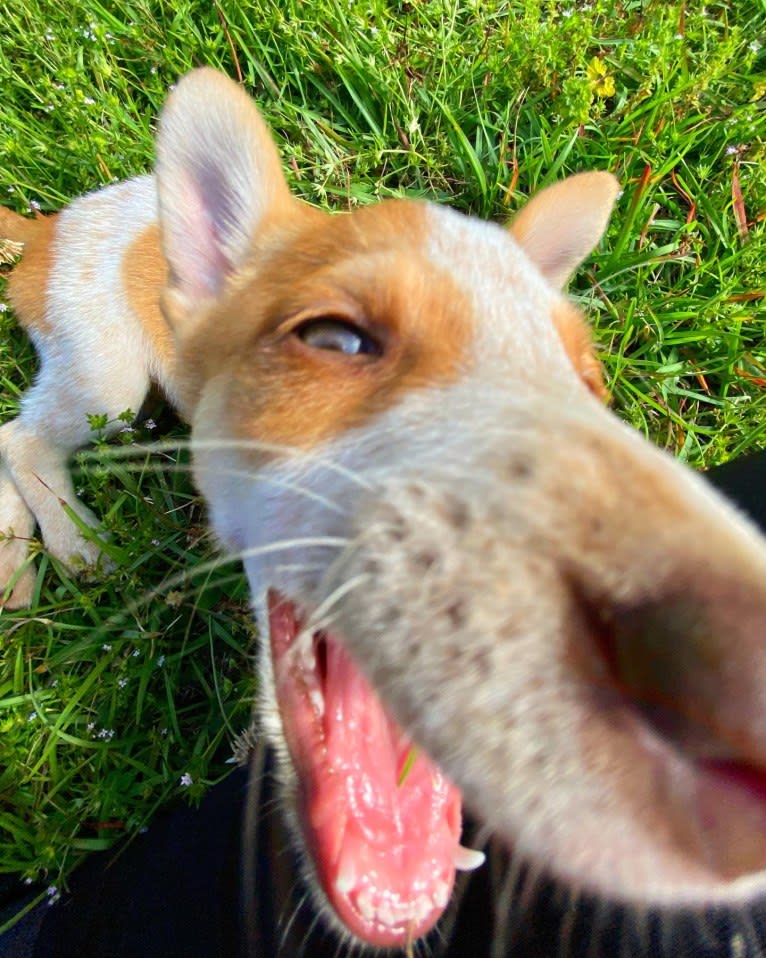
(113, 692)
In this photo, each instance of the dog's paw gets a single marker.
(15, 590)
(17, 574)
(89, 561)
(83, 556)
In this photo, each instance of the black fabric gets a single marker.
(176, 892)
(744, 482)
(172, 891)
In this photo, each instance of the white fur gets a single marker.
(95, 359)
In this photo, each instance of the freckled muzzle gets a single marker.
(579, 639)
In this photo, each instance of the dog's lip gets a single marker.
(382, 829)
(705, 786)
(713, 805)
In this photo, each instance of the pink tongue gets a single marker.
(382, 822)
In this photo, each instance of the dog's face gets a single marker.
(397, 424)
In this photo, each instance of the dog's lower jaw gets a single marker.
(378, 823)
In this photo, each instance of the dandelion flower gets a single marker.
(601, 81)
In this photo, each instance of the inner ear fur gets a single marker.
(563, 223)
(219, 177)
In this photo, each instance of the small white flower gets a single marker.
(32, 716)
(161, 661)
(53, 894)
(88, 100)
(186, 780)
(136, 652)
(150, 424)
(122, 682)
(107, 646)
(3, 307)
(731, 150)
(754, 46)
(90, 726)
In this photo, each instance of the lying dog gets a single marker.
(398, 425)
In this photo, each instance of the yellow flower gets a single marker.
(601, 82)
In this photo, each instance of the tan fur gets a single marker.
(578, 344)
(144, 273)
(285, 393)
(28, 282)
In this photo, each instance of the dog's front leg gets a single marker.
(38, 474)
(16, 527)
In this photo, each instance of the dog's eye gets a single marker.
(338, 336)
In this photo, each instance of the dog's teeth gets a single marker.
(386, 915)
(346, 879)
(468, 859)
(421, 909)
(366, 906)
(441, 894)
(304, 651)
(317, 700)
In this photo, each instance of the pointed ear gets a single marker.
(218, 176)
(562, 224)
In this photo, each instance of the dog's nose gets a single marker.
(679, 659)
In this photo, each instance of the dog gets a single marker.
(475, 587)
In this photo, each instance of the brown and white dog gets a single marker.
(398, 425)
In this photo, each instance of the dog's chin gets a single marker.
(379, 821)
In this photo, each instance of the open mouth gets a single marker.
(380, 820)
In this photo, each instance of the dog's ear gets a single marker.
(218, 176)
(562, 224)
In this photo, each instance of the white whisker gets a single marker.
(252, 552)
(320, 617)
